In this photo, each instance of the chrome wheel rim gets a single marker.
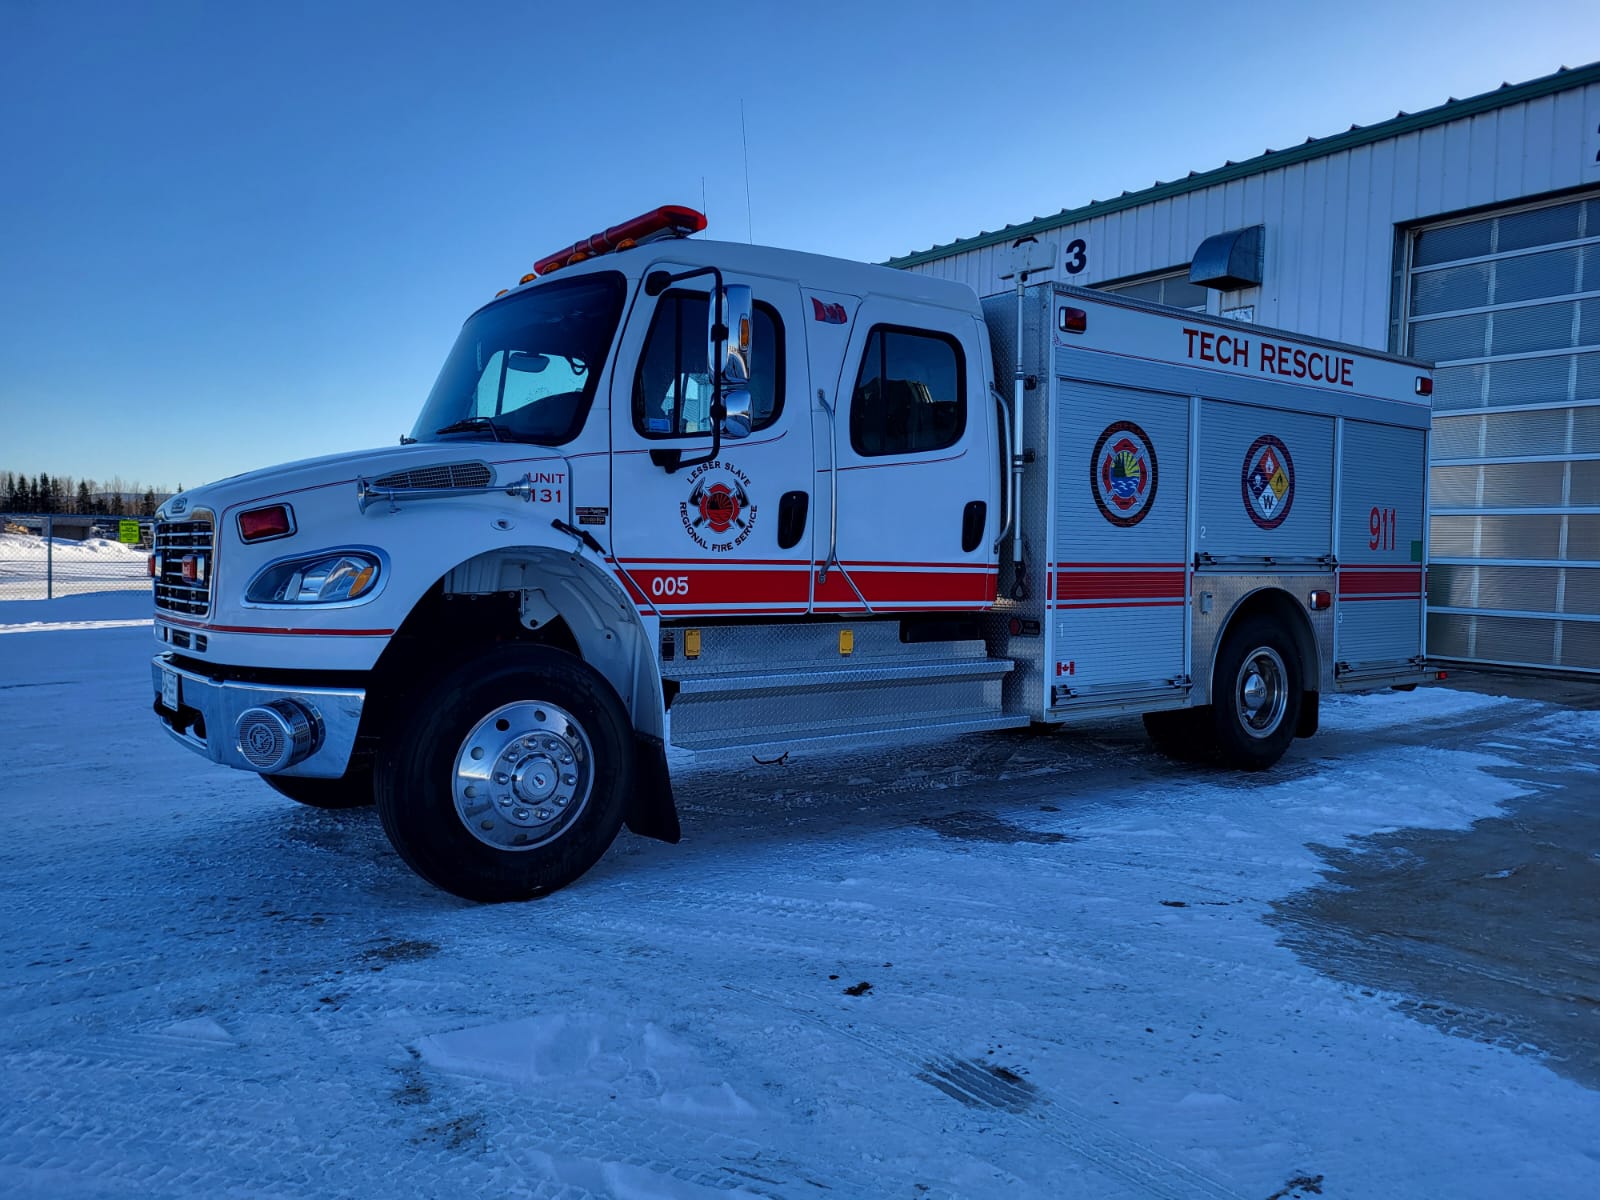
(1261, 694)
(523, 775)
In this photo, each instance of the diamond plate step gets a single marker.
(810, 678)
(846, 732)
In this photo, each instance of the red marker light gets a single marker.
(1072, 320)
(1424, 385)
(150, 566)
(1319, 600)
(264, 524)
(668, 219)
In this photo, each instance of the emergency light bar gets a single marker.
(668, 220)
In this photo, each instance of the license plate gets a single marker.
(170, 693)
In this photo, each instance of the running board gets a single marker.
(855, 698)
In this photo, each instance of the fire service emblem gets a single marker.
(1122, 474)
(718, 515)
(1267, 481)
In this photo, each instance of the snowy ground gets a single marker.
(95, 565)
(1011, 966)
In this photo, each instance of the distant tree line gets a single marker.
(20, 493)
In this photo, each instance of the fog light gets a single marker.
(275, 736)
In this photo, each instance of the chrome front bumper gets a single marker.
(209, 709)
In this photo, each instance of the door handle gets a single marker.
(973, 519)
(792, 510)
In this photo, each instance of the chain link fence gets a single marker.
(43, 556)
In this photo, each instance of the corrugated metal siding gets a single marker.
(1330, 221)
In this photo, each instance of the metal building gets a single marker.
(1467, 234)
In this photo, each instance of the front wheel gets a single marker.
(1256, 695)
(510, 776)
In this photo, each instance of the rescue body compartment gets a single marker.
(1177, 472)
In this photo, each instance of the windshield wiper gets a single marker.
(468, 423)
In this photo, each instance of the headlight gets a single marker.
(318, 579)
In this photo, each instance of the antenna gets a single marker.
(749, 230)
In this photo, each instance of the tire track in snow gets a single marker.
(1076, 1131)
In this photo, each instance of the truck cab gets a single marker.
(574, 490)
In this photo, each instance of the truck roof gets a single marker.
(817, 272)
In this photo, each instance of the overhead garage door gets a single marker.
(1508, 306)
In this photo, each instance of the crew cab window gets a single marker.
(672, 389)
(911, 393)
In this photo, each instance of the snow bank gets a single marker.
(26, 546)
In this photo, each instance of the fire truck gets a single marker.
(674, 494)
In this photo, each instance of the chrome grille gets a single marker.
(472, 474)
(175, 541)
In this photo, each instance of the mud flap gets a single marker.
(653, 813)
(1309, 703)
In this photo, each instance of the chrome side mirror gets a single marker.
(737, 418)
(738, 313)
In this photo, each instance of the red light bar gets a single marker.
(263, 524)
(670, 218)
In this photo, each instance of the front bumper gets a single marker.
(209, 709)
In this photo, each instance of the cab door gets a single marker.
(732, 535)
(912, 470)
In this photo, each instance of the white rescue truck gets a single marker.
(692, 494)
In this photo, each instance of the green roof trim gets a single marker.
(1357, 135)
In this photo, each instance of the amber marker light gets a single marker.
(363, 581)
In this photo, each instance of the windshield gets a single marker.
(526, 369)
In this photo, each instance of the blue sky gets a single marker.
(235, 234)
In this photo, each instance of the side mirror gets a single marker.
(738, 313)
(736, 418)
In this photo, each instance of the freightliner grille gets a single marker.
(175, 542)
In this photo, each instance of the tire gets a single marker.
(509, 777)
(1256, 695)
(352, 790)
(1183, 734)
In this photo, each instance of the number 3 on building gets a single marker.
(1077, 255)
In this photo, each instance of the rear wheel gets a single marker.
(1256, 695)
(352, 790)
(510, 777)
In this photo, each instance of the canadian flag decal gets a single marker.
(828, 314)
